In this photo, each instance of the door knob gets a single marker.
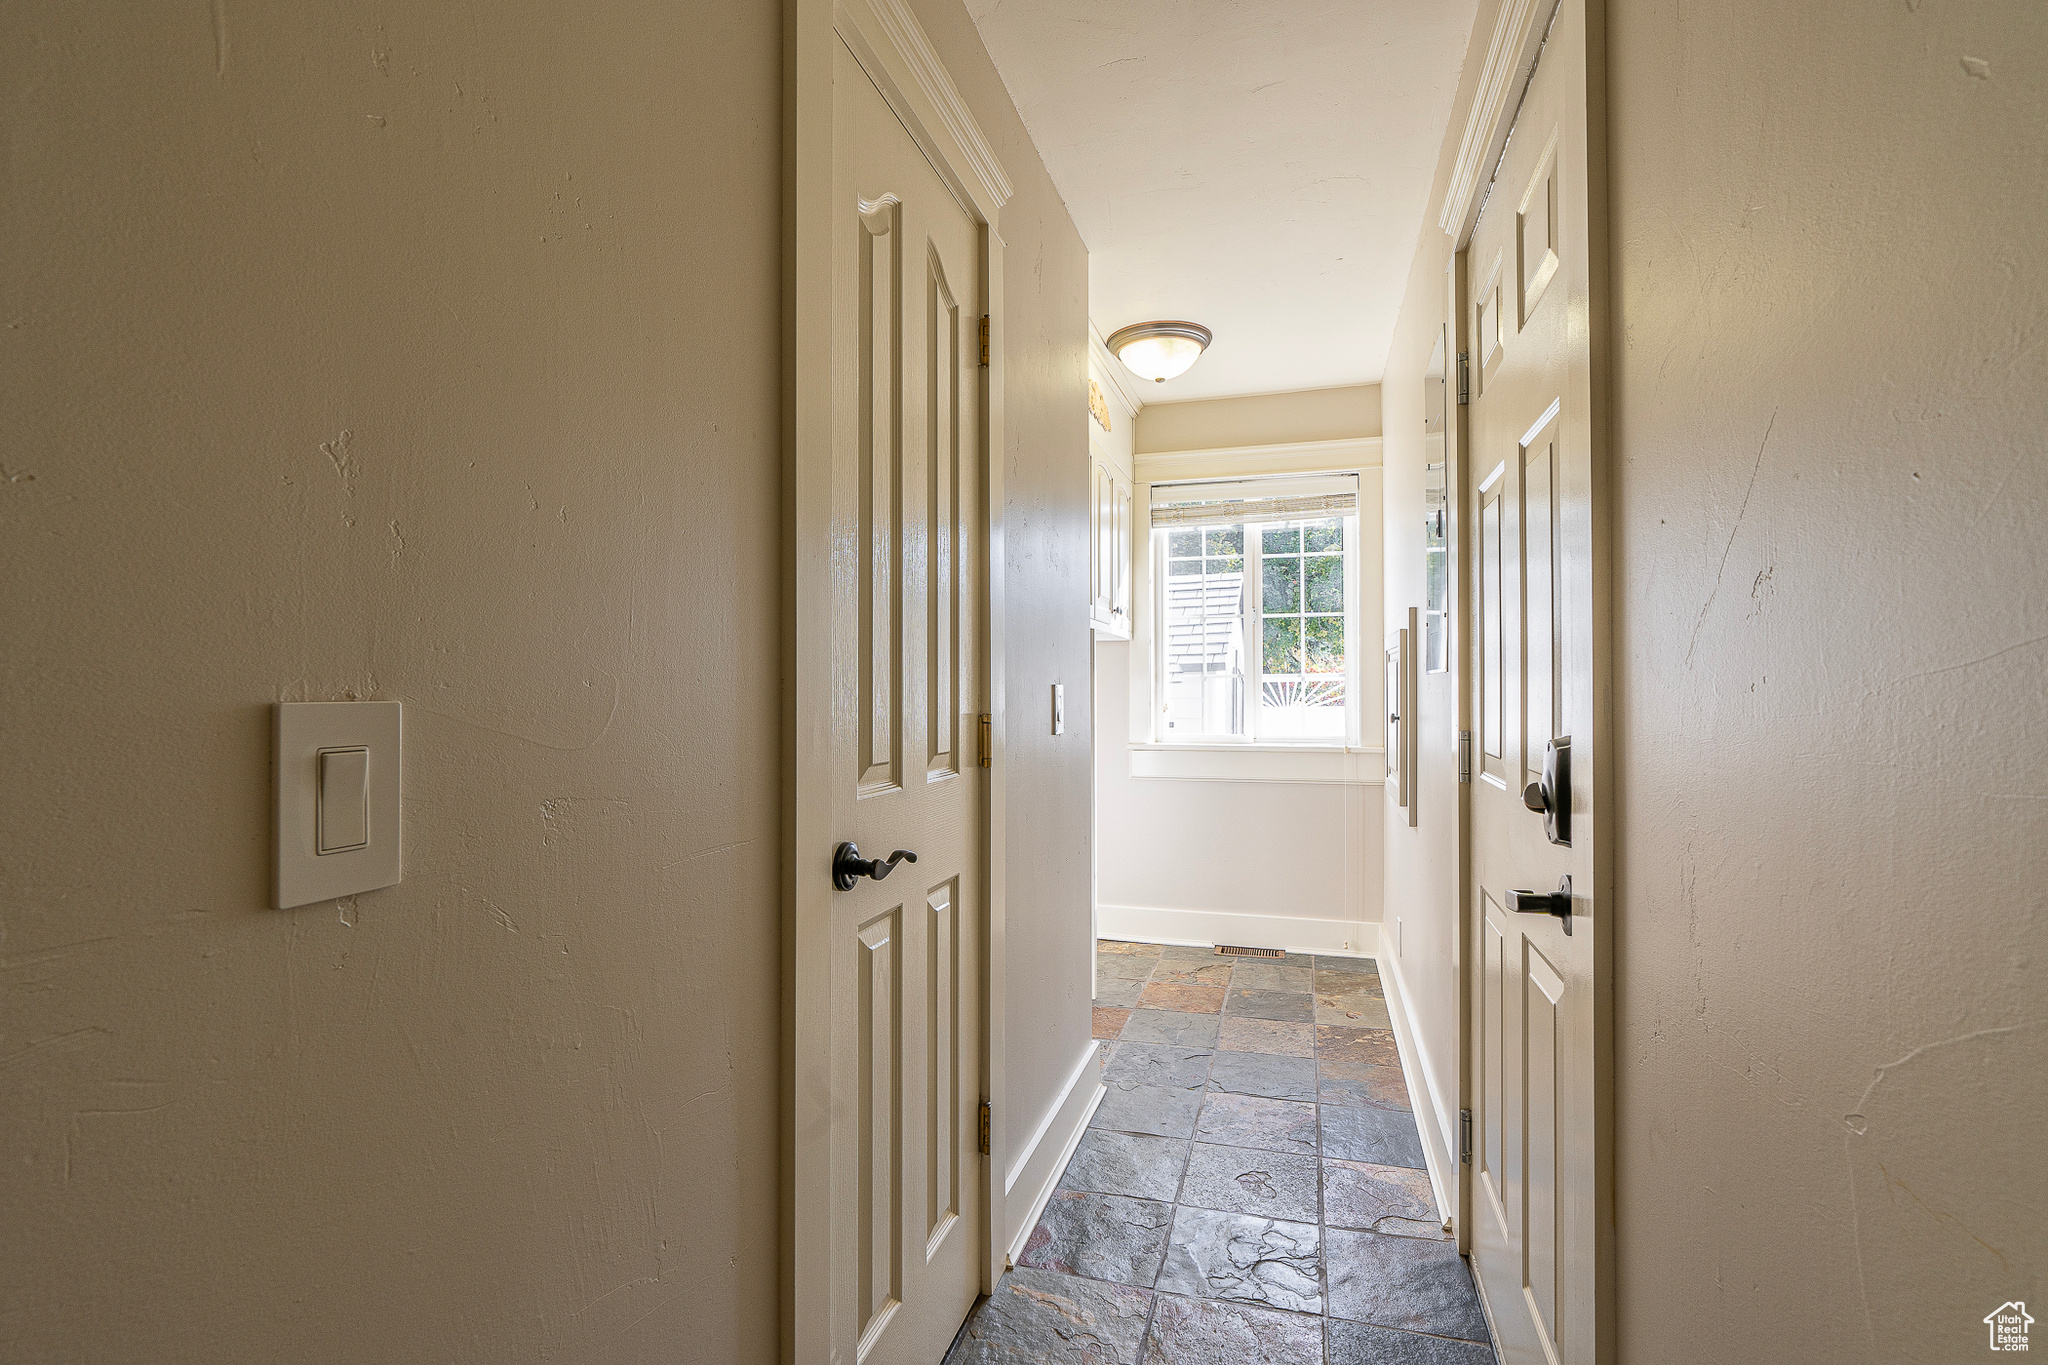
(849, 867)
(1557, 903)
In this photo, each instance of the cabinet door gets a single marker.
(1102, 546)
(1120, 560)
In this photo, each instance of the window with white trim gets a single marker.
(1256, 588)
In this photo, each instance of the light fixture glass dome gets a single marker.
(1159, 350)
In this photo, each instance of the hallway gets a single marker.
(1251, 1187)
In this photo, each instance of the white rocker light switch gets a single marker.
(337, 789)
(344, 799)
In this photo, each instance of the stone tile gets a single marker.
(1123, 965)
(1214, 1255)
(1170, 1026)
(1239, 1180)
(1347, 983)
(1383, 1087)
(1133, 1164)
(1220, 1332)
(1119, 992)
(1258, 1073)
(1123, 948)
(1402, 1282)
(1384, 1137)
(1189, 952)
(1359, 1343)
(1352, 1009)
(1178, 1068)
(1039, 1316)
(1267, 1035)
(1355, 1046)
(1156, 1109)
(1192, 973)
(1340, 962)
(1395, 1200)
(1102, 1236)
(1272, 976)
(1288, 1007)
(1109, 1022)
(1252, 1121)
(1160, 995)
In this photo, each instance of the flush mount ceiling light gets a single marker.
(1159, 350)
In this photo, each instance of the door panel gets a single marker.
(1537, 995)
(879, 321)
(906, 549)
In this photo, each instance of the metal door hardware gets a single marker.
(1557, 903)
(849, 867)
(1552, 797)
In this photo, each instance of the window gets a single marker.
(1257, 604)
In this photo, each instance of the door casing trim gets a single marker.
(892, 47)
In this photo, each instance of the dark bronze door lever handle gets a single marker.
(1543, 903)
(849, 867)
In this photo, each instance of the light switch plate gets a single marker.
(303, 732)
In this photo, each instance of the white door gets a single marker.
(907, 541)
(1536, 991)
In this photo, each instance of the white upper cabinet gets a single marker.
(1109, 547)
(1111, 487)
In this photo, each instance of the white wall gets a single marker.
(1050, 955)
(1421, 860)
(1266, 863)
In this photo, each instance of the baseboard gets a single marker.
(1153, 924)
(1439, 1145)
(1038, 1168)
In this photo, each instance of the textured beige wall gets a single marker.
(1832, 1063)
(396, 354)
(1045, 549)
(1260, 419)
(392, 352)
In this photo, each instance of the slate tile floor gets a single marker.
(1250, 1190)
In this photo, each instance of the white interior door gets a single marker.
(907, 545)
(1535, 989)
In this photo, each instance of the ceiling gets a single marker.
(1257, 166)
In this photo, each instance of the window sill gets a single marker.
(1328, 764)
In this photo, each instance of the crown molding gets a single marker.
(889, 42)
(1510, 58)
(1122, 380)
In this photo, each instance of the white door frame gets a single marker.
(1521, 29)
(888, 42)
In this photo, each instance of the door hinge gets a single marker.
(984, 341)
(1465, 1137)
(1464, 381)
(987, 743)
(987, 1113)
(1465, 757)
